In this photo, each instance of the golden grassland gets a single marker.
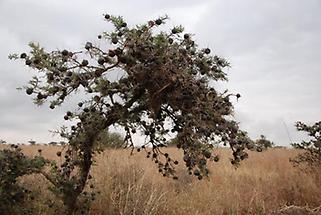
(131, 184)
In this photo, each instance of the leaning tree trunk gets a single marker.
(86, 147)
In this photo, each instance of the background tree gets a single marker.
(164, 88)
(32, 142)
(262, 143)
(108, 139)
(52, 143)
(311, 155)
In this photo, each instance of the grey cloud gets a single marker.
(273, 46)
(275, 52)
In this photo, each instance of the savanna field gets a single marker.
(130, 184)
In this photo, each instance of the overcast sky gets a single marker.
(274, 48)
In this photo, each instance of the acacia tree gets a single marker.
(311, 155)
(164, 89)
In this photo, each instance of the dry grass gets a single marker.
(131, 185)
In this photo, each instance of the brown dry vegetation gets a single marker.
(129, 184)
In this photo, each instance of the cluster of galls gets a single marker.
(68, 115)
(155, 131)
(197, 162)
(67, 183)
(184, 92)
(164, 163)
(61, 77)
(120, 25)
(63, 172)
(57, 77)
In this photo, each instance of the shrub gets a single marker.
(14, 164)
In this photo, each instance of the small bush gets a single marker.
(14, 164)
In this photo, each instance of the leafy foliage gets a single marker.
(108, 139)
(311, 155)
(164, 90)
(14, 164)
